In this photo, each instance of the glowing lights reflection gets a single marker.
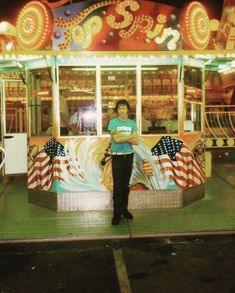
(9, 46)
(89, 115)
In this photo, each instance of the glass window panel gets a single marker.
(15, 102)
(40, 102)
(193, 117)
(78, 113)
(192, 98)
(116, 84)
(159, 101)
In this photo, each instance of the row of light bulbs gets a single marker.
(129, 56)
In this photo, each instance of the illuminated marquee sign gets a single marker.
(116, 25)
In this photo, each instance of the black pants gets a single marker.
(121, 171)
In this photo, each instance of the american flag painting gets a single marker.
(47, 166)
(177, 162)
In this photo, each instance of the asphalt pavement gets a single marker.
(181, 264)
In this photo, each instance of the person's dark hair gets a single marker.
(122, 102)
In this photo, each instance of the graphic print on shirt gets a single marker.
(125, 130)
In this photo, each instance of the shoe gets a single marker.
(127, 215)
(116, 220)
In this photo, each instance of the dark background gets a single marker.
(9, 9)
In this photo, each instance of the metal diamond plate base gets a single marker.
(144, 199)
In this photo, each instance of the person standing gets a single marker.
(123, 136)
(146, 123)
(64, 112)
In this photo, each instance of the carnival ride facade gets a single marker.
(165, 63)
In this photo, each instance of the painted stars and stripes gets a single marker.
(47, 166)
(177, 162)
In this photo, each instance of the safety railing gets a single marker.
(220, 125)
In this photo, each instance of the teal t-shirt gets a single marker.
(126, 128)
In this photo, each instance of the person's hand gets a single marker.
(147, 168)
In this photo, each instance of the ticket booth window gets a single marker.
(77, 101)
(159, 101)
(193, 99)
(15, 105)
(117, 83)
(40, 102)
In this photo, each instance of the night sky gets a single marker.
(9, 9)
